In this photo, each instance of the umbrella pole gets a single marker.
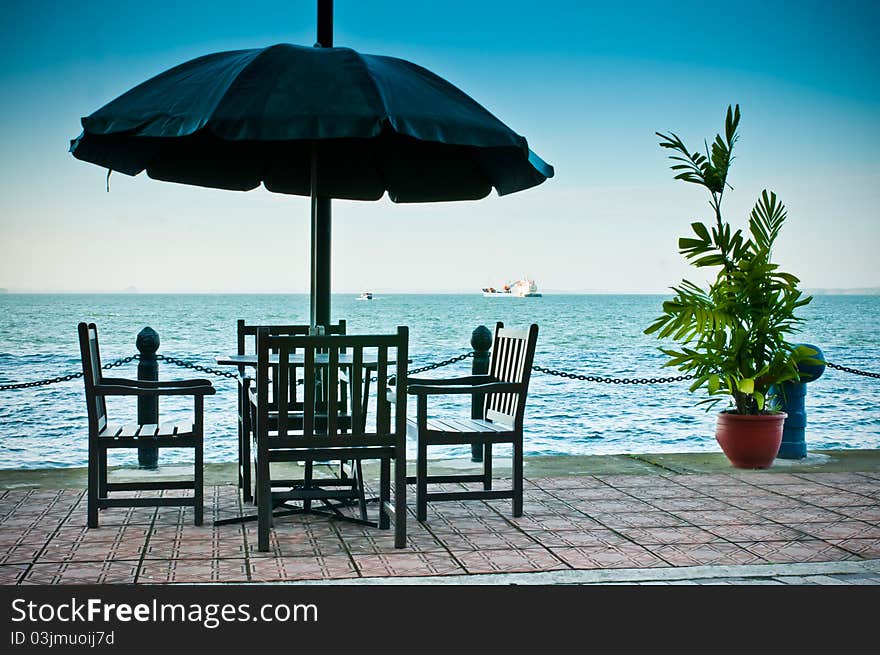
(321, 232)
(320, 296)
(321, 210)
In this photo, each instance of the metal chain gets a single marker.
(197, 367)
(445, 362)
(593, 378)
(422, 369)
(63, 378)
(854, 371)
(431, 367)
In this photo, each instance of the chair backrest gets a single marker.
(513, 352)
(244, 331)
(247, 338)
(92, 375)
(327, 360)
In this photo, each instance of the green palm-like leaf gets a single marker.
(691, 163)
(766, 221)
(731, 123)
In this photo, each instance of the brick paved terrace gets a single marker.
(661, 516)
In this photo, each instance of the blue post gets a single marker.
(794, 443)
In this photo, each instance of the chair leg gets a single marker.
(384, 492)
(422, 480)
(518, 476)
(247, 494)
(250, 448)
(199, 482)
(307, 477)
(240, 446)
(102, 474)
(400, 496)
(257, 485)
(244, 448)
(94, 477)
(264, 504)
(487, 467)
(362, 496)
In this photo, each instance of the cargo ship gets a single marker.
(524, 288)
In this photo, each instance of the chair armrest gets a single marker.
(156, 384)
(124, 390)
(492, 387)
(468, 379)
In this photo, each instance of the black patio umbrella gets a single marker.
(312, 121)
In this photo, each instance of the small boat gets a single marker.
(524, 288)
(366, 295)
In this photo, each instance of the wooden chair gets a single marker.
(319, 435)
(104, 436)
(506, 387)
(247, 342)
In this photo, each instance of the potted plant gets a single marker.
(732, 334)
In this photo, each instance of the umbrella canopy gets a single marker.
(276, 116)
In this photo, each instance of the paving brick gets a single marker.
(704, 554)
(12, 573)
(278, 569)
(624, 556)
(760, 532)
(844, 529)
(797, 551)
(866, 548)
(656, 519)
(508, 561)
(670, 535)
(407, 564)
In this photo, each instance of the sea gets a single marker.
(596, 335)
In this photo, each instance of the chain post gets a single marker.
(794, 395)
(481, 342)
(148, 406)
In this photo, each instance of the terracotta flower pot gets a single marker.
(750, 441)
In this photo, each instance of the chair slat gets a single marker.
(358, 410)
(130, 430)
(309, 392)
(382, 408)
(282, 396)
(331, 383)
(443, 425)
(110, 430)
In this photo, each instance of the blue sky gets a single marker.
(587, 84)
